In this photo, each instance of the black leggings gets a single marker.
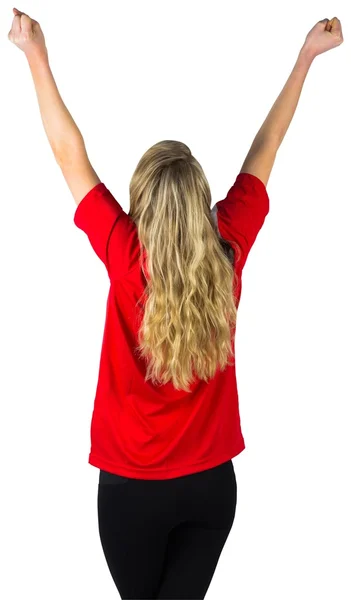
(163, 538)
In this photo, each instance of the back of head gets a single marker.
(190, 312)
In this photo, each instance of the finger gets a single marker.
(336, 25)
(26, 24)
(336, 30)
(16, 25)
(331, 24)
(18, 13)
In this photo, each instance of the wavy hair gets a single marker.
(189, 317)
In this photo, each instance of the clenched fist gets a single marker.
(26, 33)
(325, 35)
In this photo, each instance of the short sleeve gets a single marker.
(242, 213)
(110, 230)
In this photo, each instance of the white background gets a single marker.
(206, 73)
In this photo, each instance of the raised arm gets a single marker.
(261, 156)
(65, 138)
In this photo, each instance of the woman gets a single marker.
(166, 420)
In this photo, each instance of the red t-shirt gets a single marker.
(139, 430)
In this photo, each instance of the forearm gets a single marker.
(279, 117)
(62, 132)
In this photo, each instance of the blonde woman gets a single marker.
(166, 422)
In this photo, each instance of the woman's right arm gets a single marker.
(261, 156)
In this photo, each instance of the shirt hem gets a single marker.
(163, 473)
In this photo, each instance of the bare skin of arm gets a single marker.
(259, 161)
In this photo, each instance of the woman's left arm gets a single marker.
(64, 136)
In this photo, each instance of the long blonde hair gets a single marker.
(190, 313)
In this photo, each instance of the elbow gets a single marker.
(66, 153)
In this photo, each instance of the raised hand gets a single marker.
(26, 33)
(325, 35)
